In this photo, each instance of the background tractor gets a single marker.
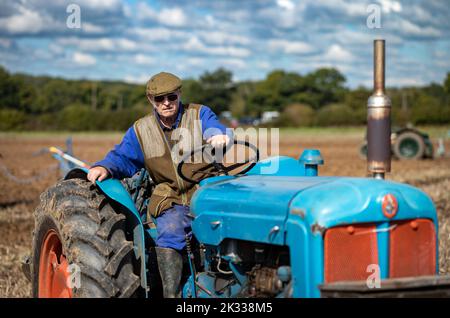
(275, 229)
(407, 143)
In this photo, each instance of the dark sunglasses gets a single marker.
(170, 97)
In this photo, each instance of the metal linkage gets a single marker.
(190, 256)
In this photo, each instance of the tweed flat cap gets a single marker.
(162, 84)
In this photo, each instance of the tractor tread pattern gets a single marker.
(94, 241)
(94, 237)
(128, 291)
(107, 227)
(113, 264)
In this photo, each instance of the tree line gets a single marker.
(318, 98)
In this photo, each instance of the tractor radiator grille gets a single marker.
(348, 251)
(412, 248)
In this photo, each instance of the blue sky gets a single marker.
(131, 40)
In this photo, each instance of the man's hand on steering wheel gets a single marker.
(218, 141)
(214, 151)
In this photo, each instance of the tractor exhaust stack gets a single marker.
(379, 119)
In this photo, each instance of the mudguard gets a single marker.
(114, 190)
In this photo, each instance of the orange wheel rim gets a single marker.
(53, 274)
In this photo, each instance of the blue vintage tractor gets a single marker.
(263, 232)
(285, 234)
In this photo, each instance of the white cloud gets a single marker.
(84, 59)
(99, 4)
(210, 20)
(100, 44)
(290, 47)
(337, 53)
(418, 13)
(311, 64)
(239, 35)
(390, 5)
(194, 45)
(92, 28)
(56, 48)
(408, 28)
(25, 21)
(174, 17)
(136, 79)
(286, 4)
(222, 37)
(233, 63)
(158, 34)
(349, 8)
(264, 65)
(440, 54)
(284, 19)
(405, 81)
(143, 59)
(194, 61)
(145, 12)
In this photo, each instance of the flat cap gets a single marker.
(162, 84)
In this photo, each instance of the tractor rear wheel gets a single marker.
(409, 145)
(81, 246)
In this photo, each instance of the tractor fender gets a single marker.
(400, 131)
(114, 190)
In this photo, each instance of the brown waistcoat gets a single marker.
(160, 156)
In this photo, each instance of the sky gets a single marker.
(132, 40)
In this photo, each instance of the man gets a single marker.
(148, 143)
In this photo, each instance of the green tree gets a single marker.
(216, 89)
(276, 91)
(335, 115)
(297, 115)
(11, 119)
(192, 91)
(239, 100)
(9, 90)
(328, 84)
(447, 83)
(137, 96)
(428, 109)
(57, 94)
(356, 100)
(77, 117)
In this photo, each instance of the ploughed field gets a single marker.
(19, 196)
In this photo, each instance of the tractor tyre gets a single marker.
(81, 247)
(363, 151)
(409, 145)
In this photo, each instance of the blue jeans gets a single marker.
(172, 226)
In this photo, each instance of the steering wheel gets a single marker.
(218, 168)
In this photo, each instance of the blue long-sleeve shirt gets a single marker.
(127, 158)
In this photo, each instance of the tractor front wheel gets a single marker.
(81, 246)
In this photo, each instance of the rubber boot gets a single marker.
(170, 263)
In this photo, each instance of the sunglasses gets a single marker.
(170, 98)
